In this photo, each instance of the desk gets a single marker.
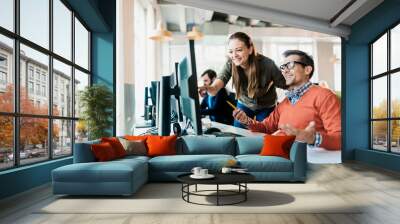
(207, 123)
(232, 129)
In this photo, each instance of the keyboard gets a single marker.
(226, 134)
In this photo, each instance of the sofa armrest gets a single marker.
(298, 155)
(83, 152)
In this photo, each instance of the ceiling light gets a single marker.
(161, 34)
(195, 34)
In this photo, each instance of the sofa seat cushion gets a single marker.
(185, 163)
(257, 163)
(112, 171)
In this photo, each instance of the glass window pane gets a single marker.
(379, 98)
(395, 95)
(395, 47)
(35, 21)
(81, 45)
(6, 142)
(6, 74)
(379, 135)
(7, 14)
(379, 55)
(62, 141)
(62, 29)
(81, 131)
(62, 89)
(81, 81)
(395, 136)
(34, 97)
(33, 140)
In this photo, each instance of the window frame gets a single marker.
(389, 72)
(18, 40)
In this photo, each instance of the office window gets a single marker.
(43, 134)
(61, 74)
(6, 73)
(62, 29)
(34, 144)
(81, 81)
(385, 96)
(6, 142)
(81, 45)
(7, 14)
(35, 21)
(62, 137)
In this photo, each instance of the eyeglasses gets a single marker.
(290, 65)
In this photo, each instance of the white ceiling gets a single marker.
(314, 15)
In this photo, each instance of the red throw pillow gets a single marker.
(277, 145)
(116, 145)
(136, 138)
(161, 145)
(103, 151)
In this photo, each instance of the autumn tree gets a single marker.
(33, 130)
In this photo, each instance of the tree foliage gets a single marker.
(97, 102)
(33, 130)
(380, 127)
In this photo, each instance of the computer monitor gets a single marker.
(188, 90)
(176, 111)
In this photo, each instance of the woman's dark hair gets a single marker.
(253, 63)
(211, 74)
(304, 58)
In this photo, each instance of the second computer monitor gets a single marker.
(189, 95)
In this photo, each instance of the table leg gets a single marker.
(217, 194)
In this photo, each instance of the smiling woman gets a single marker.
(255, 77)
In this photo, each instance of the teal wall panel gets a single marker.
(24, 178)
(356, 84)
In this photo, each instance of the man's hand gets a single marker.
(304, 135)
(241, 116)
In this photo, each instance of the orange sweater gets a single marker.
(317, 104)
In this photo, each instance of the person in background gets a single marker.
(215, 106)
(255, 77)
(309, 111)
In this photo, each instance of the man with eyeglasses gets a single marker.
(310, 112)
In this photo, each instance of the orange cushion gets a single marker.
(161, 145)
(103, 151)
(136, 138)
(277, 145)
(116, 145)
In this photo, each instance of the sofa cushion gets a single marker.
(277, 145)
(134, 147)
(249, 145)
(112, 171)
(185, 163)
(103, 152)
(257, 163)
(161, 145)
(116, 145)
(197, 145)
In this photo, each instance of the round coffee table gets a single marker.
(238, 179)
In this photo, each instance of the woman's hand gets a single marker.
(241, 116)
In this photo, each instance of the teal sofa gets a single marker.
(125, 176)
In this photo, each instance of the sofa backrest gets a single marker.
(194, 145)
(249, 145)
(83, 152)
